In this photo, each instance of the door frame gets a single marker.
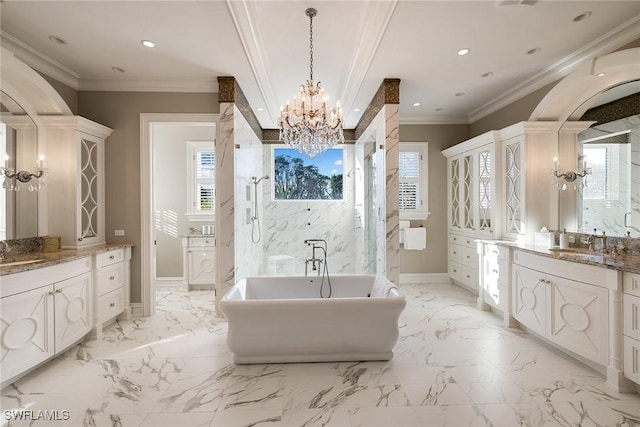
(147, 250)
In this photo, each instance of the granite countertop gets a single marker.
(623, 262)
(21, 262)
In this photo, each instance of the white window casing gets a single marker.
(201, 180)
(413, 200)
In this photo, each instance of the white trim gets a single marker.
(432, 120)
(580, 86)
(147, 271)
(136, 309)
(170, 283)
(183, 86)
(422, 212)
(420, 278)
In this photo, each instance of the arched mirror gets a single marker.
(601, 143)
(19, 152)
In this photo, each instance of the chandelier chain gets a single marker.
(311, 47)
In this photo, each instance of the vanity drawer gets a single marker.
(109, 257)
(111, 304)
(455, 253)
(631, 316)
(469, 277)
(631, 360)
(454, 270)
(202, 241)
(631, 284)
(469, 257)
(110, 278)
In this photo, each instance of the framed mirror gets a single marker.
(602, 141)
(19, 151)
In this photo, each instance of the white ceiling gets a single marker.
(265, 45)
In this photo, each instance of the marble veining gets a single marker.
(453, 366)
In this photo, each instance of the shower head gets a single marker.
(257, 181)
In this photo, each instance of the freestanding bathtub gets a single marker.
(283, 319)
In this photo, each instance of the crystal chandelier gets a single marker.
(308, 125)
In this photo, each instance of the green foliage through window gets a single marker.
(296, 177)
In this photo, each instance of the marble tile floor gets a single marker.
(453, 366)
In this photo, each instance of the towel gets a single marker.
(382, 287)
(415, 238)
(403, 224)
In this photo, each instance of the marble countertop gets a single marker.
(22, 262)
(623, 262)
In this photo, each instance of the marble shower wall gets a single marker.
(288, 223)
(248, 163)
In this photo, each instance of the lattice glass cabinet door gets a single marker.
(467, 192)
(89, 189)
(454, 182)
(513, 187)
(485, 190)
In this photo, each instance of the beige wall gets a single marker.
(121, 112)
(434, 258)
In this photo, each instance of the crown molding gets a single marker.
(432, 120)
(377, 18)
(614, 39)
(101, 85)
(39, 61)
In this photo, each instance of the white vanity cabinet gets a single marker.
(463, 261)
(44, 311)
(566, 303)
(75, 179)
(112, 286)
(199, 262)
(631, 326)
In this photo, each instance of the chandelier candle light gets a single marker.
(571, 176)
(11, 176)
(308, 125)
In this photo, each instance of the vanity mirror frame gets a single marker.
(573, 95)
(37, 98)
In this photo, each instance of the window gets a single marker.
(201, 172)
(412, 164)
(297, 177)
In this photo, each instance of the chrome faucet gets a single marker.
(316, 263)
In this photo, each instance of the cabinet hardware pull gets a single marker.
(113, 304)
(58, 291)
(112, 257)
(112, 277)
(79, 239)
(51, 293)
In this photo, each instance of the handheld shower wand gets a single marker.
(256, 233)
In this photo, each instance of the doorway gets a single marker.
(164, 179)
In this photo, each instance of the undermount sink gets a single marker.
(27, 261)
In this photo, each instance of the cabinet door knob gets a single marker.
(58, 291)
(112, 277)
(79, 239)
(113, 304)
(51, 293)
(112, 257)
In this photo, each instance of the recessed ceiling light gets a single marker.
(582, 17)
(148, 43)
(460, 94)
(259, 109)
(463, 52)
(489, 74)
(57, 39)
(356, 110)
(439, 109)
(416, 104)
(601, 74)
(533, 51)
(118, 69)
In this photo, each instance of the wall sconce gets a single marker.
(11, 176)
(572, 176)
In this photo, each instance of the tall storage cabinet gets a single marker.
(75, 179)
(471, 169)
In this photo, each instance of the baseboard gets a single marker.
(136, 309)
(413, 278)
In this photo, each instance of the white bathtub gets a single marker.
(283, 319)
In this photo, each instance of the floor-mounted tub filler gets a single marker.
(284, 319)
